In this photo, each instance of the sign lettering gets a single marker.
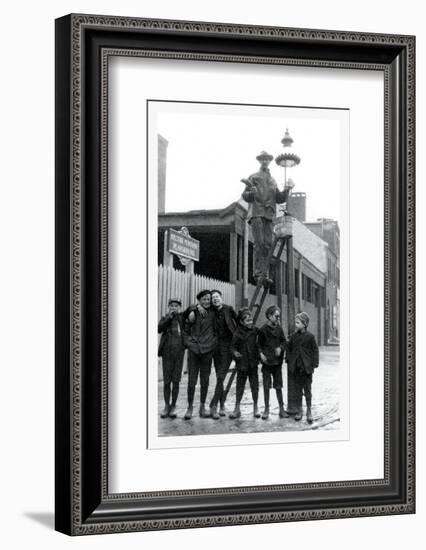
(183, 245)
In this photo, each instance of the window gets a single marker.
(309, 297)
(296, 283)
(251, 278)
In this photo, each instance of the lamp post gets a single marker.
(288, 159)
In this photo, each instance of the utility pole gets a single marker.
(287, 160)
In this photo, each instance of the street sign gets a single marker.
(181, 244)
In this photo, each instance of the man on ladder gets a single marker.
(263, 195)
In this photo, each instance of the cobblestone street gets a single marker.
(325, 406)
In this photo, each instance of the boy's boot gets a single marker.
(213, 412)
(309, 417)
(172, 411)
(203, 412)
(222, 411)
(256, 412)
(282, 413)
(298, 415)
(188, 414)
(265, 414)
(236, 413)
(165, 412)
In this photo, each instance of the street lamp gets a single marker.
(287, 159)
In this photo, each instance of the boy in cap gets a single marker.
(222, 357)
(246, 353)
(302, 358)
(201, 339)
(171, 349)
(272, 344)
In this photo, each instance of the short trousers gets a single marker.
(172, 366)
(272, 376)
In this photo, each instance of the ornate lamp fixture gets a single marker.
(287, 159)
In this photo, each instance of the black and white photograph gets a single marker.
(245, 273)
(252, 209)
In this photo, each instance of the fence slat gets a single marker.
(173, 283)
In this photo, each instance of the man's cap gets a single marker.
(244, 312)
(264, 156)
(202, 293)
(304, 317)
(175, 301)
(270, 310)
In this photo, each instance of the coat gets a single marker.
(264, 195)
(165, 329)
(230, 317)
(201, 336)
(244, 342)
(270, 338)
(303, 345)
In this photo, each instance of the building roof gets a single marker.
(312, 247)
(307, 243)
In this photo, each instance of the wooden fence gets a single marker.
(173, 283)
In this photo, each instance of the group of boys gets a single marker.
(212, 331)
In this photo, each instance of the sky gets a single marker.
(211, 147)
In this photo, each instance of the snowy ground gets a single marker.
(325, 405)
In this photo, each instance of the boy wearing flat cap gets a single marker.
(272, 345)
(302, 359)
(171, 349)
(201, 340)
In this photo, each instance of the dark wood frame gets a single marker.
(83, 45)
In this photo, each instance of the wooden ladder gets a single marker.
(258, 297)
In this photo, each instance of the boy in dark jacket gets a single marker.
(272, 344)
(222, 357)
(201, 340)
(302, 358)
(171, 349)
(246, 353)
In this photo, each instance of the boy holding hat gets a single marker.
(171, 349)
(272, 344)
(302, 359)
(201, 340)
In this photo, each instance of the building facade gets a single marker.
(221, 234)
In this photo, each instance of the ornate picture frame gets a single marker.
(84, 44)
